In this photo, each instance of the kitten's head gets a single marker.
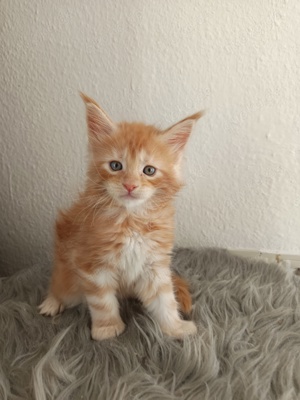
(134, 163)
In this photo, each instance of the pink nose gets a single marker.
(129, 187)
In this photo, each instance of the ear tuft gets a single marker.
(97, 120)
(86, 99)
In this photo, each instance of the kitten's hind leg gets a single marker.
(51, 306)
(63, 292)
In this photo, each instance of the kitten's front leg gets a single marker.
(103, 304)
(157, 294)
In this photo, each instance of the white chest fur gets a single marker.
(134, 256)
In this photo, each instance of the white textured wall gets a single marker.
(155, 61)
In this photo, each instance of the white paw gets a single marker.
(181, 329)
(50, 306)
(106, 332)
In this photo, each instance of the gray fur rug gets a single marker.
(247, 347)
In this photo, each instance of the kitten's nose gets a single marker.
(129, 187)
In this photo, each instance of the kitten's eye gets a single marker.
(115, 165)
(149, 170)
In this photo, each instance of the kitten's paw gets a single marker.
(182, 329)
(106, 332)
(50, 306)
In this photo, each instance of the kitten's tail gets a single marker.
(182, 293)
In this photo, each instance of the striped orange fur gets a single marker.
(116, 239)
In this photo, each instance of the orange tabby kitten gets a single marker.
(116, 240)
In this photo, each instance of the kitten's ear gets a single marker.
(177, 135)
(97, 120)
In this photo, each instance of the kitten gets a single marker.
(117, 238)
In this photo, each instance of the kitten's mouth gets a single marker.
(129, 196)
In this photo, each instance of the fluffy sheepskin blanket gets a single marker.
(247, 346)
